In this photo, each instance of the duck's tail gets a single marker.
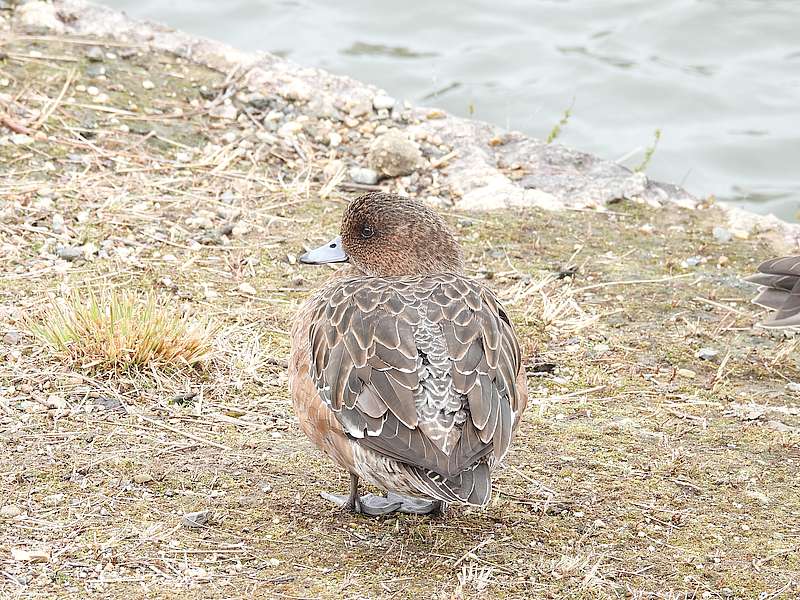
(471, 486)
(779, 290)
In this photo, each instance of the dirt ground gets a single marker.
(641, 470)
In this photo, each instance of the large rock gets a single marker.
(393, 154)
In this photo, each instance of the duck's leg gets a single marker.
(368, 505)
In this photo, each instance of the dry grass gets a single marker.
(641, 470)
(119, 330)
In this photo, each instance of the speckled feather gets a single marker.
(423, 371)
(779, 281)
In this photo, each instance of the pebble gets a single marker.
(10, 511)
(70, 253)
(95, 54)
(334, 139)
(707, 353)
(92, 90)
(246, 288)
(58, 223)
(12, 338)
(693, 261)
(260, 102)
(148, 85)
(364, 176)
(290, 129)
(95, 71)
(54, 499)
(687, 373)
(383, 102)
(142, 478)
(102, 98)
(793, 386)
(195, 519)
(722, 235)
(229, 137)
(20, 139)
(393, 154)
(56, 401)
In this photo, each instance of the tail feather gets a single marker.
(472, 486)
(779, 281)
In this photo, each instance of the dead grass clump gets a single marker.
(119, 330)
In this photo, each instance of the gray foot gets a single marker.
(375, 506)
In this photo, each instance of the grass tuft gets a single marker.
(121, 330)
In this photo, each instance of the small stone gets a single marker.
(56, 401)
(70, 253)
(58, 223)
(95, 54)
(195, 520)
(102, 98)
(793, 386)
(229, 137)
(383, 102)
(183, 157)
(332, 169)
(693, 261)
(92, 90)
(260, 102)
(12, 338)
(296, 90)
(722, 235)
(393, 154)
(246, 288)
(687, 373)
(10, 511)
(290, 129)
(20, 139)
(34, 556)
(54, 499)
(334, 139)
(142, 478)
(723, 260)
(148, 85)
(364, 176)
(706, 353)
(436, 114)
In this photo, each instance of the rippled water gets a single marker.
(719, 78)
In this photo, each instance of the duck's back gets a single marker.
(422, 373)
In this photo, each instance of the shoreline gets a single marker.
(484, 167)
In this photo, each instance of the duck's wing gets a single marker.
(423, 371)
(779, 281)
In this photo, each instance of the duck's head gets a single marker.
(388, 235)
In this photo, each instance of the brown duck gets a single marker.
(779, 290)
(403, 370)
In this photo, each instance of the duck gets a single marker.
(403, 370)
(779, 290)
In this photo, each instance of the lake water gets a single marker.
(719, 78)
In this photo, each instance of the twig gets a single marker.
(191, 436)
(629, 282)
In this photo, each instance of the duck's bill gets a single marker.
(332, 252)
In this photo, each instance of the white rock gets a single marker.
(246, 288)
(10, 511)
(39, 14)
(148, 85)
(334, 139)
(290, 129)
(364, 176)
(383, 101)
(296, 90)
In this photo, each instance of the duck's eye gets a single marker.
(367, 232)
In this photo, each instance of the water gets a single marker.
(719, 78)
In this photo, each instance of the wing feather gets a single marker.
(366, 365)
